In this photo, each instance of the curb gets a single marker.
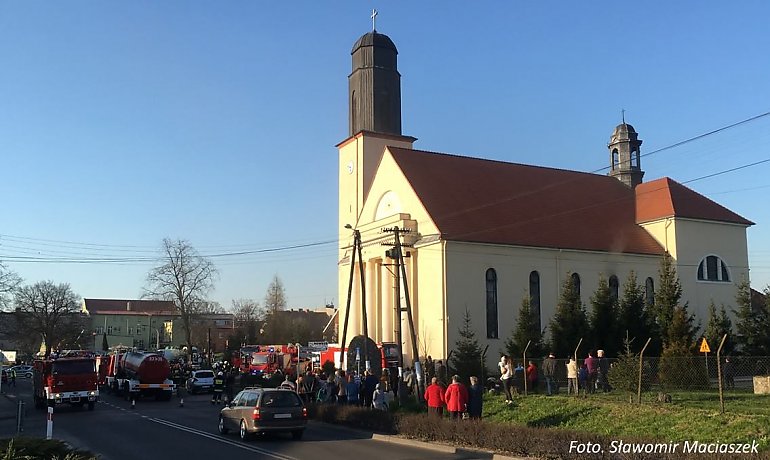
(414, 443)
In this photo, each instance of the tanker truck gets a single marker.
(140, 373)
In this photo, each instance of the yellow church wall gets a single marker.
(698, 239)
(466, 283)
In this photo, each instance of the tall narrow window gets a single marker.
(615, 159)
(534, 298)
(649, 292)
(614, 287)
(491, 304)
(576, 283)
(635, 159)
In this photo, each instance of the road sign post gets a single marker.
(49, 424)
(705, 349)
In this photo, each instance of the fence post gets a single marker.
(719, 374)
(641, 365)
(577, 393)
(524, 364)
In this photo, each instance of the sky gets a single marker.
(123, 123)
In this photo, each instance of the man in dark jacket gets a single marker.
(475, 398)
(549, 372)
(370, 384)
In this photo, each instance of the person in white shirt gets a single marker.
(506, 376)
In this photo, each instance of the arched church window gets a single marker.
(713, 268)
(635, 159)
(614, 287)
(615, 159)
(534, 297)
(576, 283)
(649, 292)
(492, 304)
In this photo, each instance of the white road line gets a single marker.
(221, 439)
(209, 435)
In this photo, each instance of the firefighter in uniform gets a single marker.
(219, 388)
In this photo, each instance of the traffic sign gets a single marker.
(704, 346)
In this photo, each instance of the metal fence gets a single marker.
(663, 379)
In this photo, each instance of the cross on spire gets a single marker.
(374, 20)
(623, 115)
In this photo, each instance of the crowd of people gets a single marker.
(460, 402)
(591, 376)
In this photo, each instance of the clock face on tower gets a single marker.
(350, 167)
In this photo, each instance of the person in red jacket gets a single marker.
(456, 398)
(434, 394)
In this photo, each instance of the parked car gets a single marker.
(200, 381)
(23, 371)
(261, 410)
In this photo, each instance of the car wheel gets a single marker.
(297, 434)
(222, 428)
(243, 432)
(28, 375)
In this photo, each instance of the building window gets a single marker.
(576, 283)
(534, 297)
(110, 330)
(635, 159)
(99, 330)
(712, 268)
(615, 159)
(649, 292)
(491, 304)
(614, 288)
(131, 330)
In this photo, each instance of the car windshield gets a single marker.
(204, 375)
(280, 399)
(74, 367)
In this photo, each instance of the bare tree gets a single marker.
(248, 316)
(184, 277)
(275, 299)
(9, 281)
(274, 330)
(50, 311)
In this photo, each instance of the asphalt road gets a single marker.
(161, 429)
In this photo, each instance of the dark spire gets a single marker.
(375, 86)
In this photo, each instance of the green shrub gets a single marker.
(34, 448)
(354, 416)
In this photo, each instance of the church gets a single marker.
(483, 234)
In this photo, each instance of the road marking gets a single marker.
(205, 434)
(219, 438)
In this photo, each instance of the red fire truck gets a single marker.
(71, 380)
(388, 352)
(139, 373)
(267, 360)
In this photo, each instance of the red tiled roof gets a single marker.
(478, 200)
(129, 305)
(667, 198)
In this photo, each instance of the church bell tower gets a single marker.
(625, 155)
(375, 86)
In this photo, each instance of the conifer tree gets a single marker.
(569, 324)
(753, 323)
(633, 319)
(667, 296)
(719, 324)
(603, 314)
(526, 330)
(466, 359)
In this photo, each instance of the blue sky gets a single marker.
(122, 123)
